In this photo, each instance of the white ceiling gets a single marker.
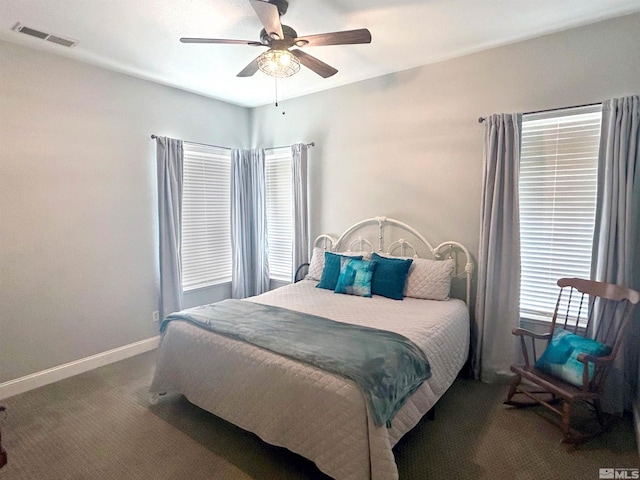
(140, 37)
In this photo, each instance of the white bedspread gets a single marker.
(314, 413)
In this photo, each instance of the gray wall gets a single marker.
(78, 228)
(78, 233)
(408, 145)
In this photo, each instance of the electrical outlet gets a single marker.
(156, 316)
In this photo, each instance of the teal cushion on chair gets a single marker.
(560, 358)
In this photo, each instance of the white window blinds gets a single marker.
(279, 186)
(206, 214)
(558, 174)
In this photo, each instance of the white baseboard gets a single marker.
(45, 377)
(636, 420)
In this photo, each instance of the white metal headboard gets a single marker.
(449, 249)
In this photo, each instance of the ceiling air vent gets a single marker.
(65, 42)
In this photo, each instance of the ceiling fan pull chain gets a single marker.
(281, 96)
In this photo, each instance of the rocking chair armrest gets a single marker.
(586, 358)
(529, 333)
(522, 333)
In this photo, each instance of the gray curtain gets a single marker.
(169, 162)
(300, 206)
(497, 303)
(616, 245)
(250, 249)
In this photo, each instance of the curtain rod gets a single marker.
(482, 119)
(312, 144)
(196, 143)
(309, 145)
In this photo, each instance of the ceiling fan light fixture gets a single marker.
(278, 63)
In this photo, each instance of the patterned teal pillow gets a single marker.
(560, 358)
(355, 277)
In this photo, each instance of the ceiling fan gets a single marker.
(282, 59)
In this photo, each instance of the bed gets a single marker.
(317, 414)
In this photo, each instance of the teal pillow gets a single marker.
(390, 276)
(331, 270)
(355, 277)
(560, 358)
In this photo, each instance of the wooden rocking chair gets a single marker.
(588, 309)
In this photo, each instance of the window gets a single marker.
(279, 187)
(558, 174)
(206, 216)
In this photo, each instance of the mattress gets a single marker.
(316, 414)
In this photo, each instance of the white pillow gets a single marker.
(429, 279)
(316, 265)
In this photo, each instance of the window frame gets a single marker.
(574, 175)
(212, 256)
(279, 168)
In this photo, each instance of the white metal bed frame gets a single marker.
(445, 250)
(379, 440)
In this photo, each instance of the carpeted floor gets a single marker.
(101, 425)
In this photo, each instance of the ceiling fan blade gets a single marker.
(269, 16)
(220, 40)
(312, 63)
(347, 37)
(249, 69)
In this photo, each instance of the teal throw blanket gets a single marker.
(386, 366)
